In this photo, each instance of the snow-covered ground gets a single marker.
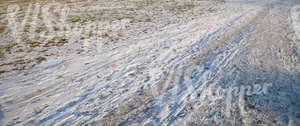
(234, 62)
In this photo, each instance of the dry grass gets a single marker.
(140, 17)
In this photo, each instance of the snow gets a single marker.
(204, 63)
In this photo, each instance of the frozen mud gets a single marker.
(155, 63)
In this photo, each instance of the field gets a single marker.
(151, 62)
